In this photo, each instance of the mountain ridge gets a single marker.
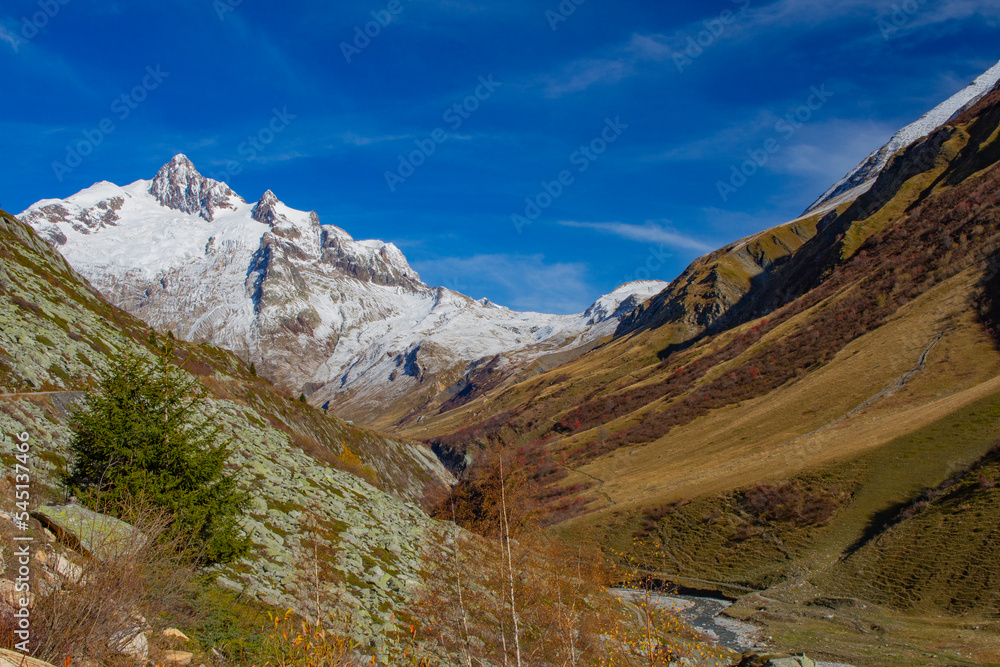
(347, 323)
(862, 177)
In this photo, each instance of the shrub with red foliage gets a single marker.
(791, 503)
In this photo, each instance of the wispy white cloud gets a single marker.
(832, 149)
(720, 143)
(650, 232)
(32, 57)
(354, 139)
(613, 64)
(788, 13)
(10, 38)
(649, 47)
(582, 74)
(522, 282)
(610, 66)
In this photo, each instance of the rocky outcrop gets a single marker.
(265, 209)
(102, 215)
(179, 186)
(775, 660)
(715, 283)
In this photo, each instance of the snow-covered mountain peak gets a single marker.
(268, 198)
(862, 177)
(265, 210)
(623, 300)
(179, 185)
(347, 322)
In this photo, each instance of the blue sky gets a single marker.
(662, 117)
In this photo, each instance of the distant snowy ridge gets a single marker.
(341, 320)
(862, 177)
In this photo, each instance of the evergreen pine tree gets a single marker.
(142, 435)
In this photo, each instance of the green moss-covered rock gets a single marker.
(95, 534)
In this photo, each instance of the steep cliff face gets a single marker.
(345, 322)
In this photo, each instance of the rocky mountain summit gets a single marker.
(179, 186)
(348, 323)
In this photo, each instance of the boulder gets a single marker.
(799, 661)
(93, 533)
(174, 633)
(68, 569)
(132, 644)
(13, 659)
(11, 597)
(775, 660)
(177, 657)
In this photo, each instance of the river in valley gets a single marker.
(704, 615)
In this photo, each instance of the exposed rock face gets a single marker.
(178, 185)
(347, 322)
(265, 209)
(84, 221)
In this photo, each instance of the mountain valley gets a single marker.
(803, 423)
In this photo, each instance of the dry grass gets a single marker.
(115, 598)
(566, 616)
(347, 460)
(766, 438)
(294, 642)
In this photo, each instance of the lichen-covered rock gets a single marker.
(94, 534)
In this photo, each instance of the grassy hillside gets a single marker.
(937, 553)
